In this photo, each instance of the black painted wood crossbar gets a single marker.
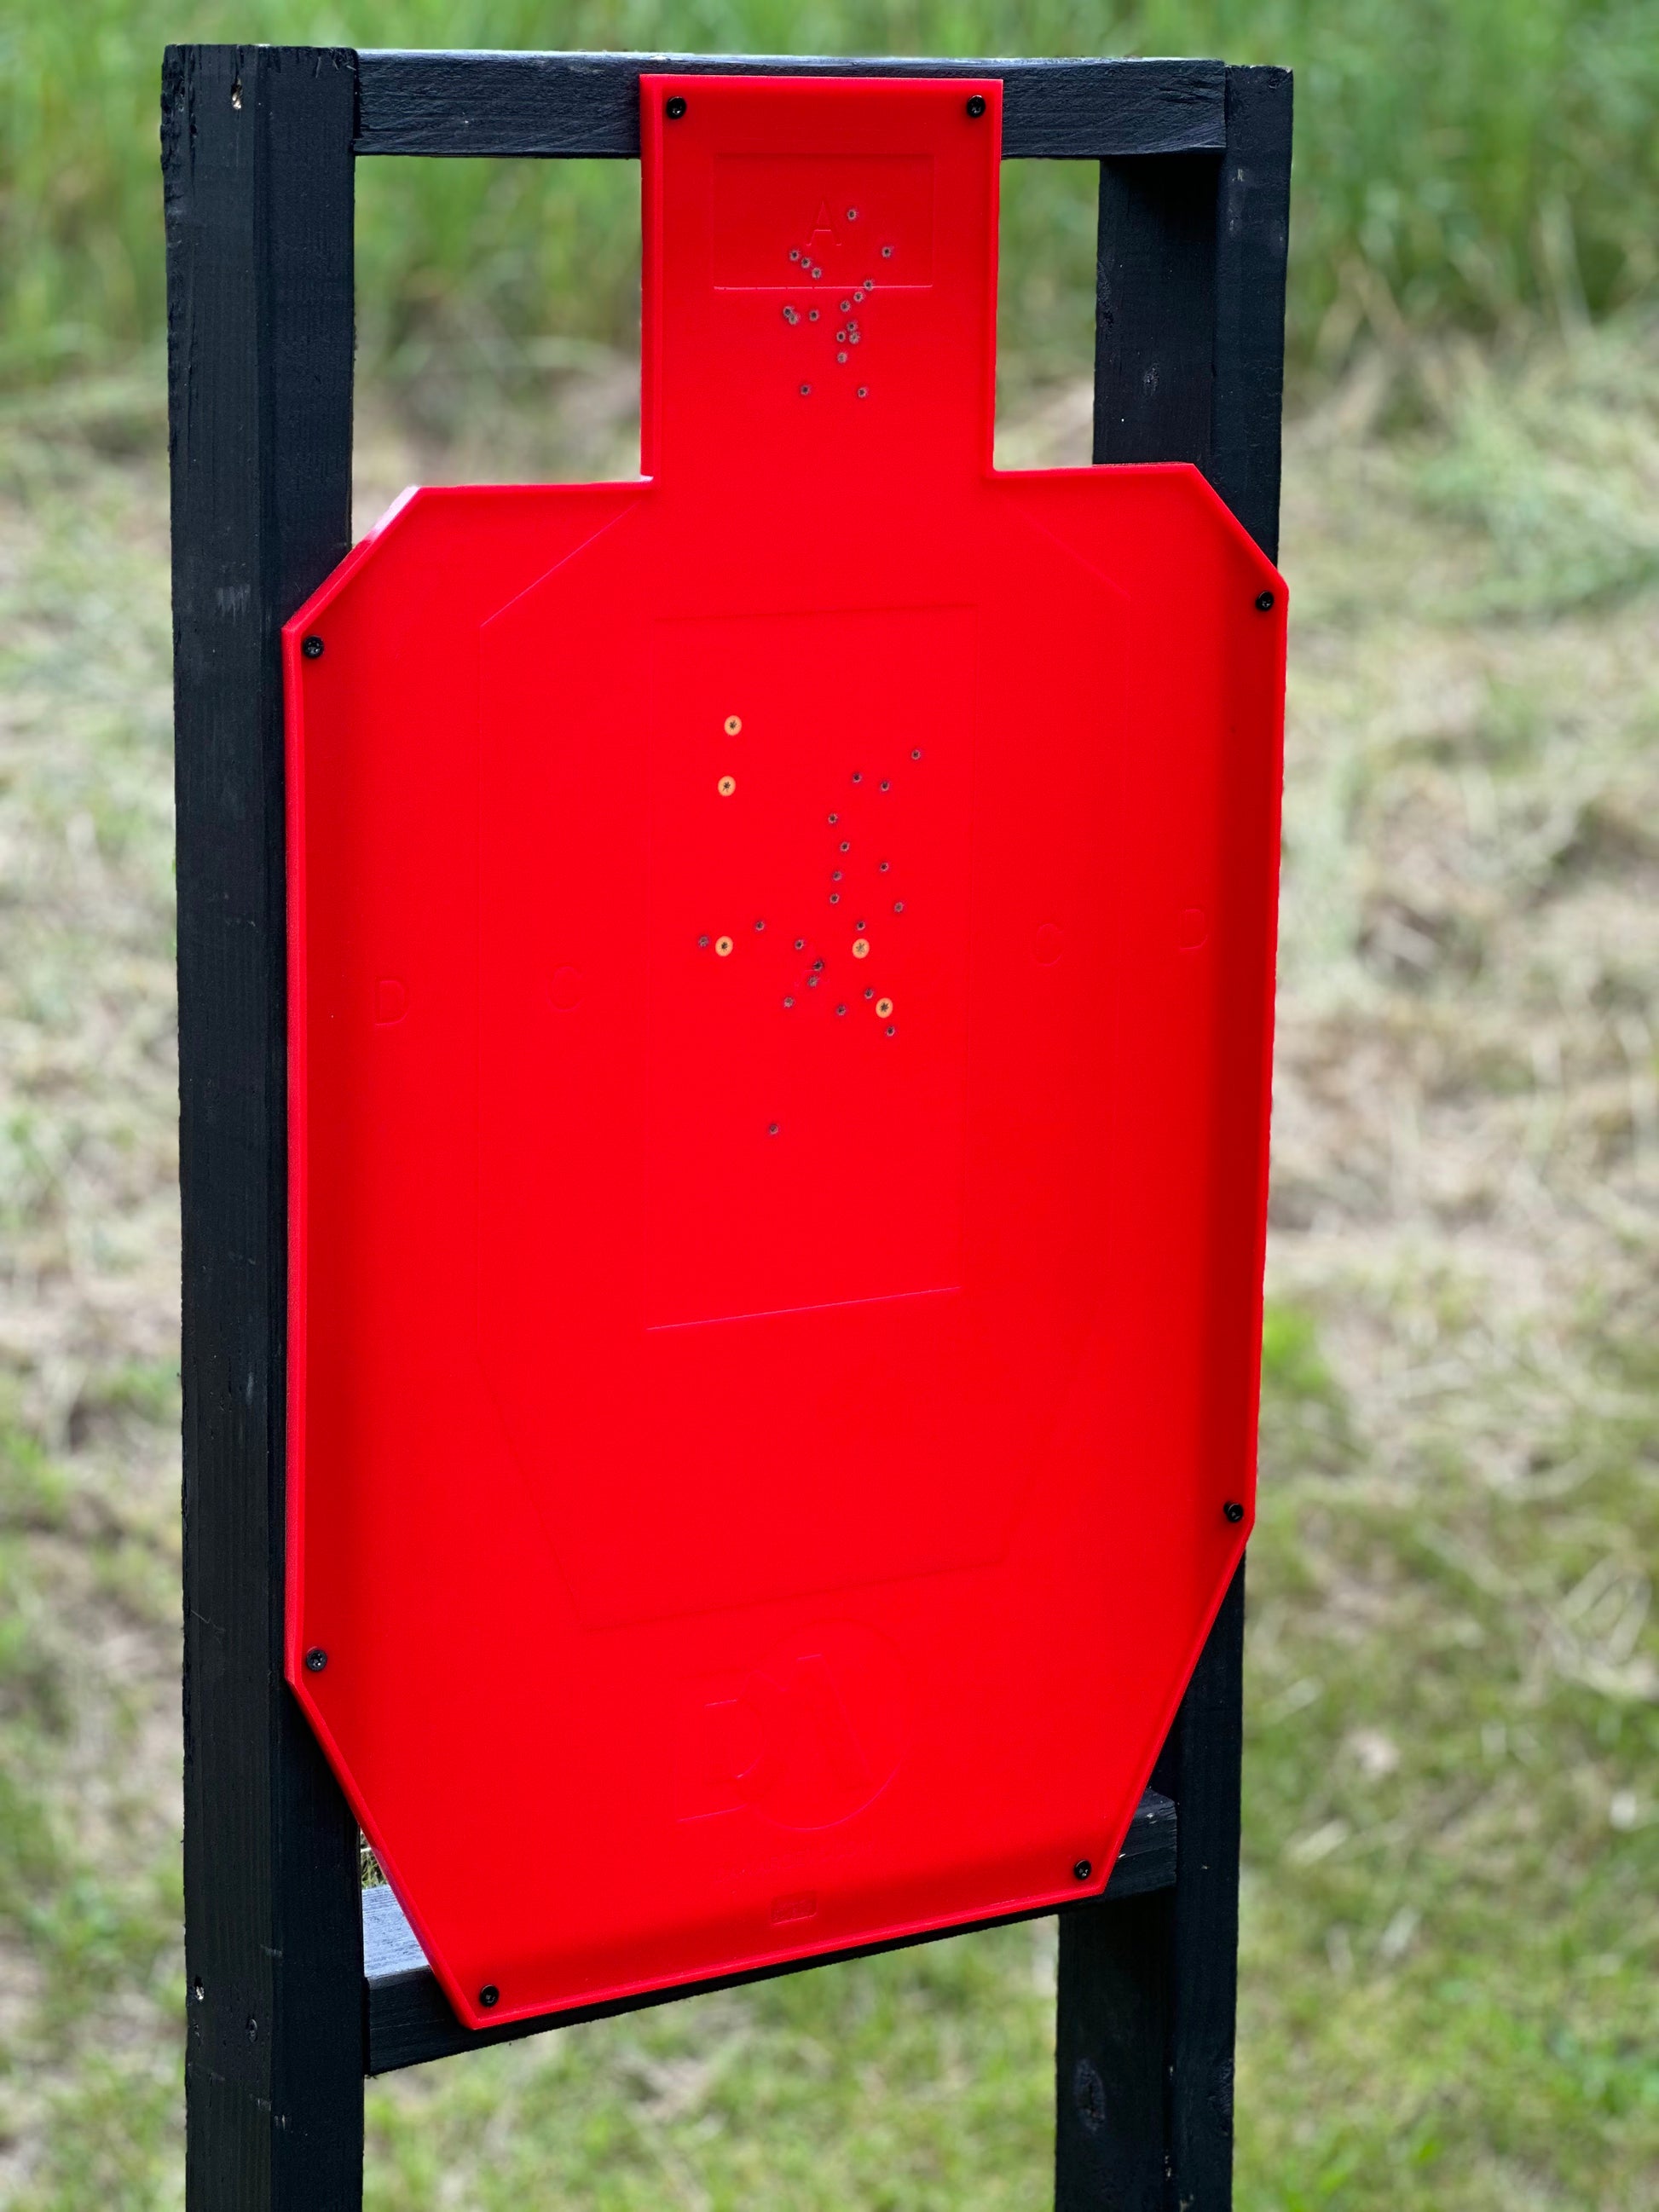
(410, 2019)
(551, 103)
(298, 1983)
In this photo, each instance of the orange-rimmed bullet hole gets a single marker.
(861, 948)
(723, 947)
(726, 786)
(883, 1008)
(733, 726)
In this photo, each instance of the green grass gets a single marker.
(1456, 160)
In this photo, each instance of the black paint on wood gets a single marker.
(410, 2021)
(1114, 2001)
(1253, 219)
(1189, 366)
(588, 104)
(1148, 1993)
(1155, 309)
(257, 168)
(1201, 1767)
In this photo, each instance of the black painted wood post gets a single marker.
(1189, 366)
(258, 171)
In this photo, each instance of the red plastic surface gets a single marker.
(780, 987)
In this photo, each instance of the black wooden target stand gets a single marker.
(289, 2007)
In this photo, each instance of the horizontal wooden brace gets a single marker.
(409, 2019)
(542, 105)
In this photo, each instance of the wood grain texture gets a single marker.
(410, 2019)
(1200, 1768)
(1155, 309)
(1115, 2000)
(257, 166)
(1253, 220)
(1148, 1997)
(1189, 366)
(588, 104)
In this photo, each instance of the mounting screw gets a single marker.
(312, 648)
(1232, 1511)
(198, 1990)
(1082, 1870)
(490, 1995)
(976, 105)
(772, 1126)
(673, 109)
(316, 1660)
(1264, 601)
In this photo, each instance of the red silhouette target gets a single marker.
(780, 994)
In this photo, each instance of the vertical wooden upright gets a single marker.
(1188, 367)
(258, 171)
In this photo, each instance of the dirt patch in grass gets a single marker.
(1452, 1833)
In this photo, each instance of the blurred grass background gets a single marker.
(1456, 160)
(1451, 1898)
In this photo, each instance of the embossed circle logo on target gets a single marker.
(808, 1738)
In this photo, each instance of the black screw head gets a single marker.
(976, 105)
(1232, 1511)
(316, 1660)
(1264, 601)
(312, 648)
(1082, 1870)
(673, 109)
(490, 1995)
